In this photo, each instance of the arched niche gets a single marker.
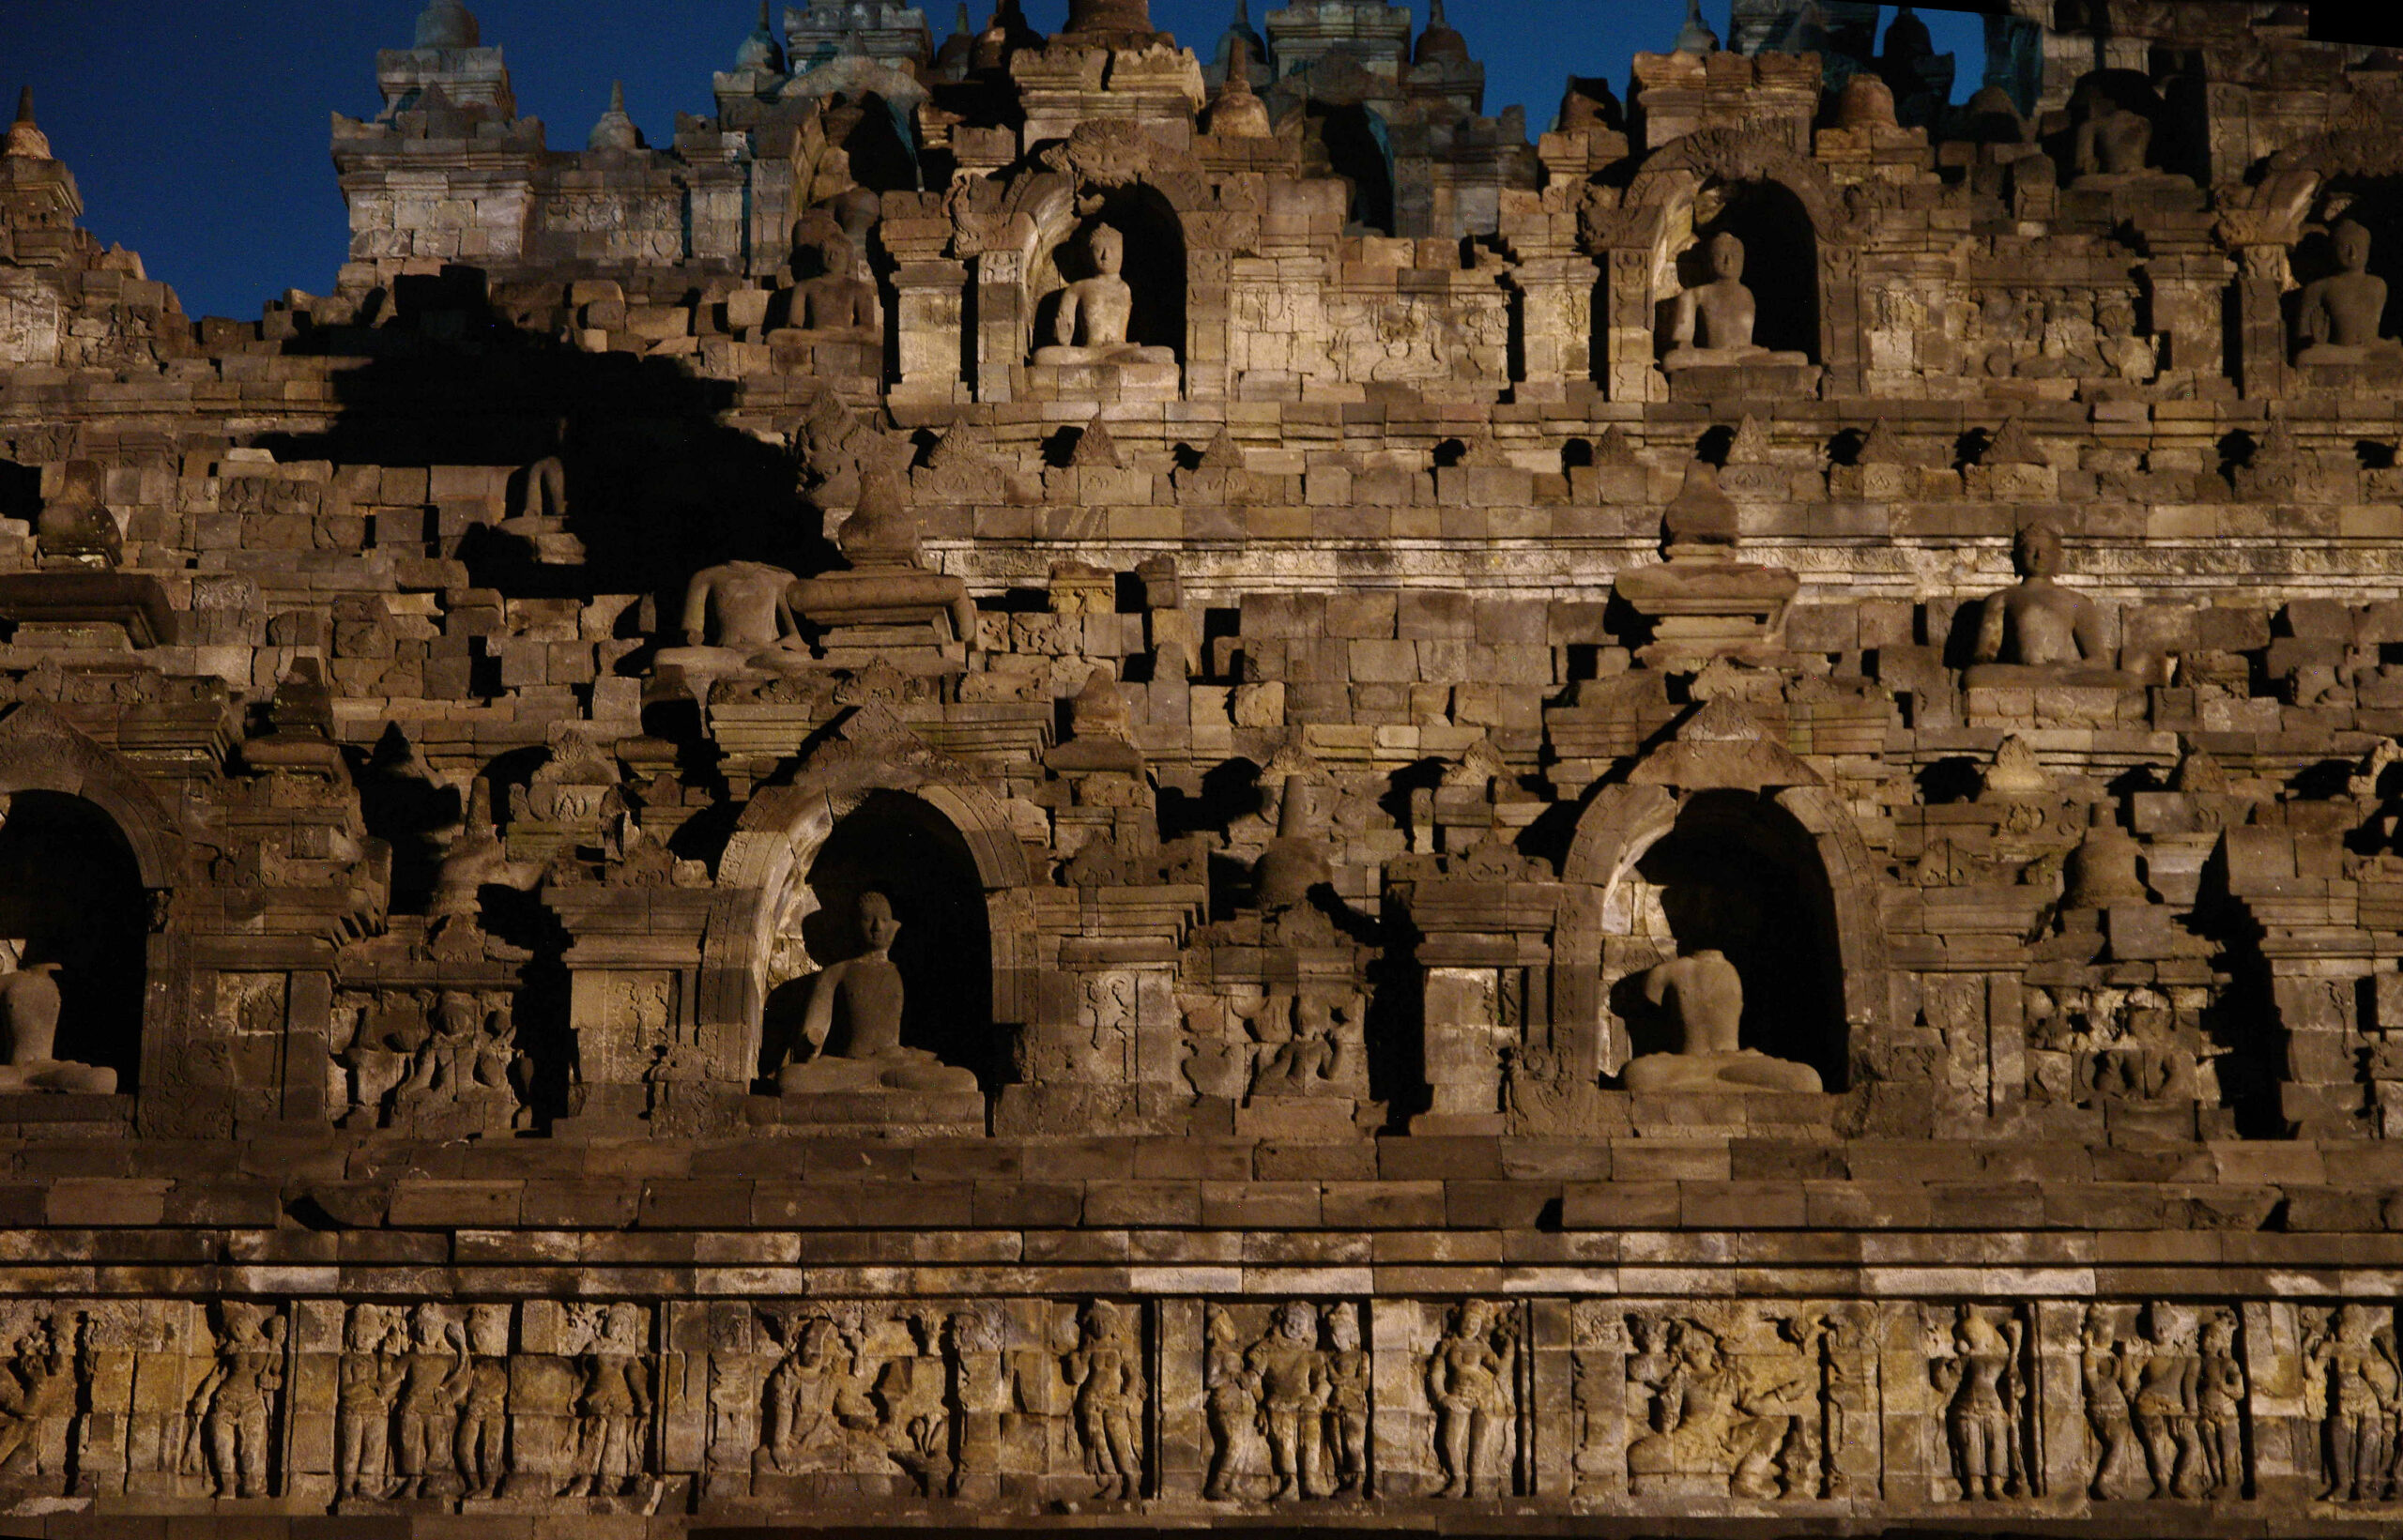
(1737, 874)
(1780, 260)
(1706, 815)
(1360, 148)
(897, 844)
(761, 933)
(82, 803)
(1800, 238)
(72, 895)
(1156, 267)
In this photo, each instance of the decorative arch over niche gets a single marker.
(765, 881)
(1655, 218)
(80, 796)
(1724, 781)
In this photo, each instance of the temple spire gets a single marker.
(26, 139)
(1695, 37)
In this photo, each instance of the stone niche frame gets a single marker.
(1721, 749)
(1633, 244)
(40, 750)
(1042, 213)
(770, 854)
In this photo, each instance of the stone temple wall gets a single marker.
(1060, 781)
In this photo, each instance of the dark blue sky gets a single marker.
(199, 131)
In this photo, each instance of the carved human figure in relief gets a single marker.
(854, 1017)
(1347, 1410)
(1712, 323)
(483, 1422)
(367, 1379)
(1465, 1381)
(2340, 316)
(1983, 1392)
(1703, 997)
(2219, 1406)
(2037, 623)
(1293, 1395)
(1108, 1372)
(2103, 1374)
(1095, 313)
(231, 1412)
(29, 1008)
(2361, 1381)
(40, 1386)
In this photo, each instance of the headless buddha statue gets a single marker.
(854, 1017)
(1704, 996)
(29, 1002)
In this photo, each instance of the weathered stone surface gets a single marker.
(734, 845)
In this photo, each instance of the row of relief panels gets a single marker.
(1621, 1405)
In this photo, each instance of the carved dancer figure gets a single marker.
(1347, 1406)
(2362, 1384)
(1231, 1402)
(1294, 1394)
(2219, 1401)
(1466, 1382)
(483, 1405)
(232, 1408)
(1985, 1391)
(616, 1405)
(2166, 1406)
(1106, 1371)
(2103, 1374)
(435, 1382)
(801, 1392)
(369, 1376)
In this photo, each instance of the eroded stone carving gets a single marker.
(2354, 1381)
(1472, 1385)
(232, 1414)
(1704, 997)
(29, 1008)
(1981, 1368)
(1289, 1411)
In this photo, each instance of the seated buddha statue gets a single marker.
(1704, 996)
(2339, 318)
(1097, 312)
(855, 1017)
(2038, 624)
(1712, 323)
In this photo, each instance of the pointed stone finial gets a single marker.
(1695, 37)
(25, 139)
(615, 131)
